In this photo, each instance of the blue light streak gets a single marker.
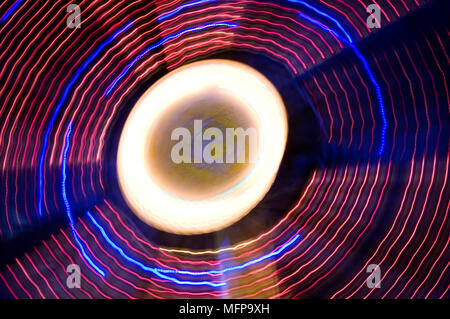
(184, 6)
(349, 41)
(244, 265)
(161, 42)
(67, 204)
(323, 14)
(160, 271)
(59, 106)
(11, 10)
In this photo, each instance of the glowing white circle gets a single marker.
(161, 209)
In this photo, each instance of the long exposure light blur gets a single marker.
(160, 207)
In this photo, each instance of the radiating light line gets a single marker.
(244, 265)
(157, 271)
(336, 22)
(67, 204)
(184, 6)
(349, 41)
(186, 272)
(161, 42)
(59, 106)
(11, 10)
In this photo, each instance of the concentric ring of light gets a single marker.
(163, 210)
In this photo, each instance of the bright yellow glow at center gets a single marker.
(158, 206)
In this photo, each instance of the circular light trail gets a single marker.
(160, 207)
